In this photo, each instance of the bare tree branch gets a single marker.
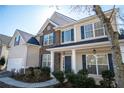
(113, 10)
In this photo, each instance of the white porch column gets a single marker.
(52, 61)
(74, 60)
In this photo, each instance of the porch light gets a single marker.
(94, 51)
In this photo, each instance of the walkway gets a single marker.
(5, 74)
(10, 81)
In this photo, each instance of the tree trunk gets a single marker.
(113, 37)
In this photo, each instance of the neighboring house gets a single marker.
(4, 42)
(76, 45)
(48, 37)
(23, 51)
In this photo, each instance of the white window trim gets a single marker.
(97, 61)
(99, 29)
(94, 37)
(47, 62)
(47, 40)
(66, 41)
(85, 31)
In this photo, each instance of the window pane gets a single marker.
(88, 31)
(51, 38)
(46, 60)
(91, 60)
(102, 63)
(91, 64)
(98, 25)
(44, 64)
(67, 36)
(102, 59)
(17, 40)
(102, 68)
(45, 39)
(99, 32)
(99, 29)
(92, 69)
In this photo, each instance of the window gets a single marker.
(91, 64)
(17, 40)
(102, 63)
(48, 39)
(99, 29)
(97, 63)
(88, 31)
(46, 60)
(92, 30)
(68, 36)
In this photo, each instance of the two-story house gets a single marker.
(23, 51)
(48, 37)
(82, 44)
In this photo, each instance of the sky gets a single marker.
(30, 18)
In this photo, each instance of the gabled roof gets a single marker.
(61, 19)
(26, 36)
(46, 23)
(5, 39)
(57, 19)
(33, 40)
(84, 19)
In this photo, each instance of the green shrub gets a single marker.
(71, 77)
(46, 71)
(108, 79)
(80, 80)
(59, 75)
(37, 74)
(90, 82)
(36, 67)
(83, 72)
(2, 61)
(107, 74)
(29, 71)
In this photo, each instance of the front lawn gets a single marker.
(33, 75)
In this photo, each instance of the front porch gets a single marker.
(95, 59)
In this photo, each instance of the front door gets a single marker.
(67, 63)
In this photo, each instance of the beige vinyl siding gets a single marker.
(13, 40)
(32, 56)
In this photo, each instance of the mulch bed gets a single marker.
(31, 79)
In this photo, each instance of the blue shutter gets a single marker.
(84, 61)
(18, 40)
(82, 32)
(110, 62)
(62, 37)
(15, 41)
(41, 39)
(54, 37)
(72, 34)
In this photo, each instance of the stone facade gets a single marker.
(49, 29)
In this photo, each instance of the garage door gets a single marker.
(15, 63)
